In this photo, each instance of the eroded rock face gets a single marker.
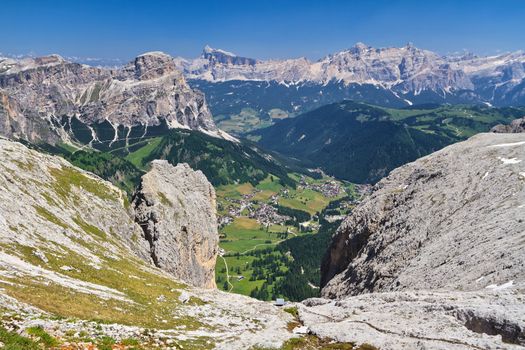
(452, 220)
(175, 206)
(38, 97)
(516, 126)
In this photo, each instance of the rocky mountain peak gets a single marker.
(218, 56)
(152, 65)
(51, 59)
(148, 91)
(359, 47)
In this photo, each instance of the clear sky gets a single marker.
(257, 28)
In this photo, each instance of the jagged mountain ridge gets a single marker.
(406, 75)
(405, 67)
(47, 99)
(413, 68)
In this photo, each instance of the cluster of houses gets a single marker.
(309, 226)
(264, 213)
(267, 215)
(328, 188)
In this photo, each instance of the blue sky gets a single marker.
(261, 29)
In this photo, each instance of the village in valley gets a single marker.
(255, 220)
(267, 214)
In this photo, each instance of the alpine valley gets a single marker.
(373, 199)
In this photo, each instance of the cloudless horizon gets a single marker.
(116, 29)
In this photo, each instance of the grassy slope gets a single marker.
(137, 158)
(120, 270)
(222, 162)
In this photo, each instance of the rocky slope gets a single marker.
(434, 257)
(47, 99)
(516, 126)
(175, 206)
(74, 262)
(422, 320)
(450, 220)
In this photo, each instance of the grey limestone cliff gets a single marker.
(175, 206)
(39, 97)
(451, 220)
(516, 126)
(434, 257)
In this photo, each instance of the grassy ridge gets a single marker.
(362, 143)
(223, 162)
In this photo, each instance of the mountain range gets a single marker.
(407, 72)
(116, 244)
(246, 94)
(50, 100)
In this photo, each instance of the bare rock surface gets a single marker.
(52, 209)
(434, 257)
(453, 220)
(422, 319)
(175, 206)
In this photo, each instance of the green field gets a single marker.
(245, 234)
(137, 157)
(307, 200)
(241, 286)
(248, 119)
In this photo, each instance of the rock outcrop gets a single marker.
(516, 126)
(175, 206)
(422, 320)
(48, 98)
(453, 220)
(75, 264)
